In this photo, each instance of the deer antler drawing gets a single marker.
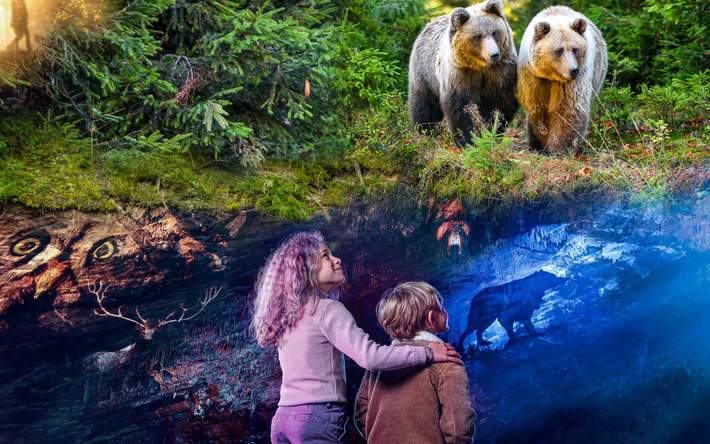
(144, 330)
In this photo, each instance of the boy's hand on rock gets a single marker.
(445, 353)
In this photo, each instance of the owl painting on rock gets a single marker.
(48, 262)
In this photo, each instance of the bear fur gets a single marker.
(466, 56)
(561, 69)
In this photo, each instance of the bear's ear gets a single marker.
(494, 7)
(459, 16)
(541, 29)
(579, 25)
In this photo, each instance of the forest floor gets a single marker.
(47, 167)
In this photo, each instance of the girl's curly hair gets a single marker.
(284, 285)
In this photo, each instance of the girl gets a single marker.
(296, 309)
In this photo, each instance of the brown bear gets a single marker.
(561, 68)
(465, 57)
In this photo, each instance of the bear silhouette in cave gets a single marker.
(514, 301)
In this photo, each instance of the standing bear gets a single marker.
(561, 68)
(465, 57)
(515, 301)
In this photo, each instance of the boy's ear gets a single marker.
(430, 317)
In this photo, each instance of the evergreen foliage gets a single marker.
(220, 79)
(374, 43)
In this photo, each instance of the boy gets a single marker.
(423, 404)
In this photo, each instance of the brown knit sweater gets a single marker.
(416, 405)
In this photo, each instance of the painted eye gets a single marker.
(558, 52)
(26, 246)
(105, 250)
(29, 243)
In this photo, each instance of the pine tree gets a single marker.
(219, 79)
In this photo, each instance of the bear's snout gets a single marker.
(574, 72)
(491, 52)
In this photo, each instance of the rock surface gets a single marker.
(132, 327)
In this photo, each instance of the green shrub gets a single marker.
(367, 78)
(616, 104)
(694, 104)
(385, 32)
(664, 38)
(482, 153)
(658, 103)
(683, 101)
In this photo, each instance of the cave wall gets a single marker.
(132, 326)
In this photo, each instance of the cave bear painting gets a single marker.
(508, 303)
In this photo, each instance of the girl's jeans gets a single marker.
(309, 423)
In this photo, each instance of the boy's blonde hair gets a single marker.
(402, 311)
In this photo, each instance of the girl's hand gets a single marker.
(445, 353)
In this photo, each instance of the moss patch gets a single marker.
(44, 168)
(48, 167)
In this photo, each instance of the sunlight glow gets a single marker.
(6, 34)
(37, 12)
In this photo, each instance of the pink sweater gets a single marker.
(311, 355)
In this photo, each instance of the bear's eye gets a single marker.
(477, 37)
(495, 34)
(558, 52)
(575, 51)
